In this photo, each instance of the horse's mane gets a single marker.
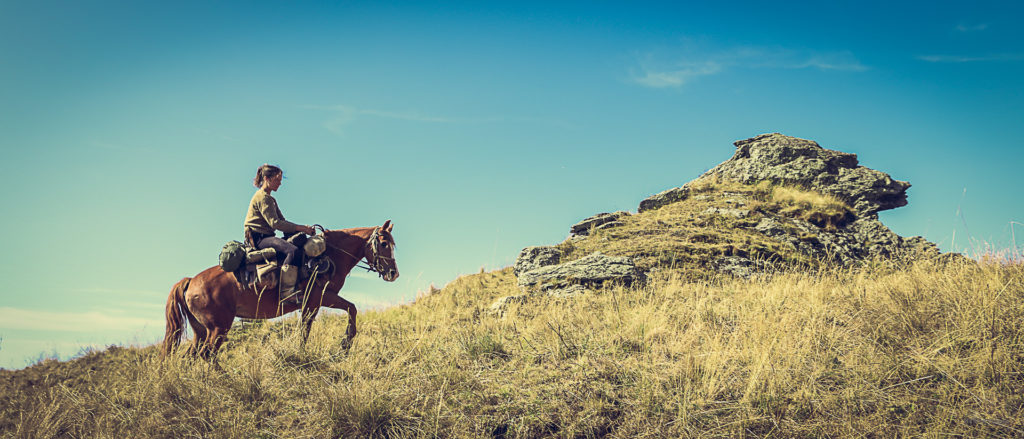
(349, 231)
(335, 237)
(341, 234)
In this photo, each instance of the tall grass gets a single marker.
(929, 349)
(825, 211)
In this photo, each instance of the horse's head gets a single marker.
(380, 252)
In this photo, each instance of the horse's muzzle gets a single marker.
(390, 275)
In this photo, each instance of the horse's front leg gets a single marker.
(308, 315)
(333, 301)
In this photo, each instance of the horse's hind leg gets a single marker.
(216, 337)
(199, 334)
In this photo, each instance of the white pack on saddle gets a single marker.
(315, 246)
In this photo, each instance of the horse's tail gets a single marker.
(176, 312)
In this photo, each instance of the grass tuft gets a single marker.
(825, 211)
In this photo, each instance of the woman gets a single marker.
(264, 217)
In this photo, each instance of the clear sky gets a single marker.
(130, 131)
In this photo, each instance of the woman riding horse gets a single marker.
(263, 217)
(212, 299)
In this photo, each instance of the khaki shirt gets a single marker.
(264, 216)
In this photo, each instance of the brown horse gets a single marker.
(213, 298)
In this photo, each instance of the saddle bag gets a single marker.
(266, 276)
(262, 256)
(231, 256)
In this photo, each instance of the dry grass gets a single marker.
(929, 349)
(825, 211)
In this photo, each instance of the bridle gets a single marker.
(375, 261)
(373, 247)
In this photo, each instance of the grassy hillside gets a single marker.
(882, 350)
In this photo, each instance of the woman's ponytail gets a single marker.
(264, 172)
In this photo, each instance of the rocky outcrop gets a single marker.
(532, 258)
(664, 198)
(776, 158)
(789, 160)
(877, 240)
(591, 271)
(597, 222)
(863, 239)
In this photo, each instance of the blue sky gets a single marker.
(130, 131)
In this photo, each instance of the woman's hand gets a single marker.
(307, 230)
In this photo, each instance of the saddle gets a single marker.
(262, 267)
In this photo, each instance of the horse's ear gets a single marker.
(387, 226)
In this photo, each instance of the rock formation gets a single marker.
(789, 160)
(776, 158)
(793, 161)
(597, 222)
(592, 270)
(664, 198)
(532, 258)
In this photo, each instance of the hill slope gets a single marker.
(805, 346)
(924, 349)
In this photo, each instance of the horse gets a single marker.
(213, 298)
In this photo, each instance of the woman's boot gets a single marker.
(289, 275)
